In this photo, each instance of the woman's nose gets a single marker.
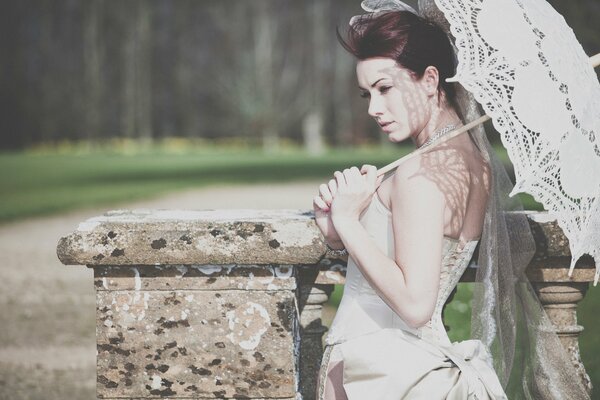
(375, 107)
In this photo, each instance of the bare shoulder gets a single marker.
(408, 168)
(428, 173)
(415, 184)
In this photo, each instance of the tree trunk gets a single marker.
(92, 61)
(263, 61)
(136, 118)
(313, 137)
(144, 71)
(342, 94)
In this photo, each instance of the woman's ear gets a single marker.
(430, 79)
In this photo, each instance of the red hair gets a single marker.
(412, 41)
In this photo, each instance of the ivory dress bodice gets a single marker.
(362, 311)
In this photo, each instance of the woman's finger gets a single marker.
(340, 178)
(366, 167)
(371, 173)
(349, 176)
(325, 194)
(332, 187)
(318, 201)
(356, 176)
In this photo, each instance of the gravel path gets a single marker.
(47, 317)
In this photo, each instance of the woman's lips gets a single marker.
(385, 125)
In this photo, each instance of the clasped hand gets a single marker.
(344, 197)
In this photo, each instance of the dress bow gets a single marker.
(475, 362)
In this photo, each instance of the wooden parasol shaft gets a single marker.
(594, 60)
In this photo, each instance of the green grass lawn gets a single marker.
(37, 184)
(42, 184)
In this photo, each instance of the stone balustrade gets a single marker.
(227, 304)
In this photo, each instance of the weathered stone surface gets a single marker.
(311, 298)
(556, 269)
(196, 344)
(196, 277)
(329, 271)
(550, 240)
(144, 237)
(560, 303)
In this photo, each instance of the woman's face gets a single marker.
(398, 102)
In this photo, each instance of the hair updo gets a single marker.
(412, 41)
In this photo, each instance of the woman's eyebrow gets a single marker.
(373, 84)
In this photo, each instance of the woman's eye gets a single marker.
(384, 89)
(365, 95)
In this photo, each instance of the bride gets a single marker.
(409, 237)
(400, 231)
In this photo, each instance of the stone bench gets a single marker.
(227, 304)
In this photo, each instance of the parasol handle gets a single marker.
(446, 137)
(594, 60)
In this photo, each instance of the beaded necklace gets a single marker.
(438, 133)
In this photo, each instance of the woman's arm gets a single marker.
(409, 282)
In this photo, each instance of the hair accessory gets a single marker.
(379, 6)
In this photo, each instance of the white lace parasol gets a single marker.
(525, 67)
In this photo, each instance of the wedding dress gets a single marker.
(383, 357)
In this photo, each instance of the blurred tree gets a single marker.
(264, 29)
(262, 70)
(260, 74)
(136, 121)
(92, 64)
(317, 81)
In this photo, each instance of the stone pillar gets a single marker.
(316, 283)
(202, 304)
(560, 302)
(200, 331)
(559, 293)
(311, 302)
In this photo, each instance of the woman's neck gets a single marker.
(440, 118)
